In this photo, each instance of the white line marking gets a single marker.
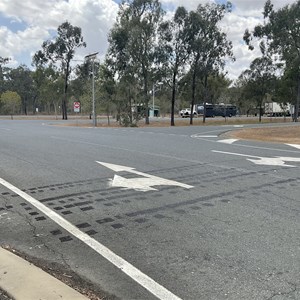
(236, 154)
(228, 141)
(148, 283)
(237, 126)
(203, 136)
(294, 145)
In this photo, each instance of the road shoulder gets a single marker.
(22, 280)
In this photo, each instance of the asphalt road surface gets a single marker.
(154, 213)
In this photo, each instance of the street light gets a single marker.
(92, 57)
(153, 95)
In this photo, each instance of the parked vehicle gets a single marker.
(215, 110)
(186, 112)
(212, 110)
(274, 109)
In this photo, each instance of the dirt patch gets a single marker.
(284, 134)
(166, 122)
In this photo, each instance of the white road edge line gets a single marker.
(142, 279)
(203, 136)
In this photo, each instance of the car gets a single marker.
(186, 112)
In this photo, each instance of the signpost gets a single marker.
(76, 106)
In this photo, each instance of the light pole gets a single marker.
(92, 57)
(153, 95)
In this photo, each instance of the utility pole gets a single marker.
(91, 57)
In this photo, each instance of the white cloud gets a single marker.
(235, 25)
(95, 17)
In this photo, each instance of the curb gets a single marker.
(24, 281)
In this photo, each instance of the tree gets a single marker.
(132, 42)
(61, 50)
(218, 88)
(50, 88)
(208, 45)
(286, 86)
(281, 30)
(3, 61)
(107, 88)
(20, 80)
(43, 79)
(10, 102)
(259, 81)
(173, 44)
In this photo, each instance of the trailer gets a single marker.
(275, 109)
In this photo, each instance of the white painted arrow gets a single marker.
(294, 145)
(268, 161)
(227, 141)
(144, 183)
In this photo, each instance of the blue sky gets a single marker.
(24, 25)
(13, 25)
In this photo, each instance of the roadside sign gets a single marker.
(76, 106)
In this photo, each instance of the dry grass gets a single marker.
(284, 134)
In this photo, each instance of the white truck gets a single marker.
(275, 109)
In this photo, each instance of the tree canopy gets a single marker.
(281, 36)
(10, 102)
(177, 60)
(207, 45)
(61, 50)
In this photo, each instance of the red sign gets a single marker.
(76, 106)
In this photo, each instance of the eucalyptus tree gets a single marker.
(281, 30)
(173, 51)
(62, 51)
(49, 83)
(218, 88)
(10, 102)
(3, 61)
(286, 87)
(259, 81)
(107, 88)
(132, 42)
(40, 76)
(208, 45)
(20, 80)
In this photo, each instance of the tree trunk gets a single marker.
(55, 110)
(173, 97)
(193, 94)
(260, 112)
(146, 94)
(296, 112)
(130, 106)
(205, 99)
(64, 100)
(108, 119)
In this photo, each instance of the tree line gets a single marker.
(179, 62)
